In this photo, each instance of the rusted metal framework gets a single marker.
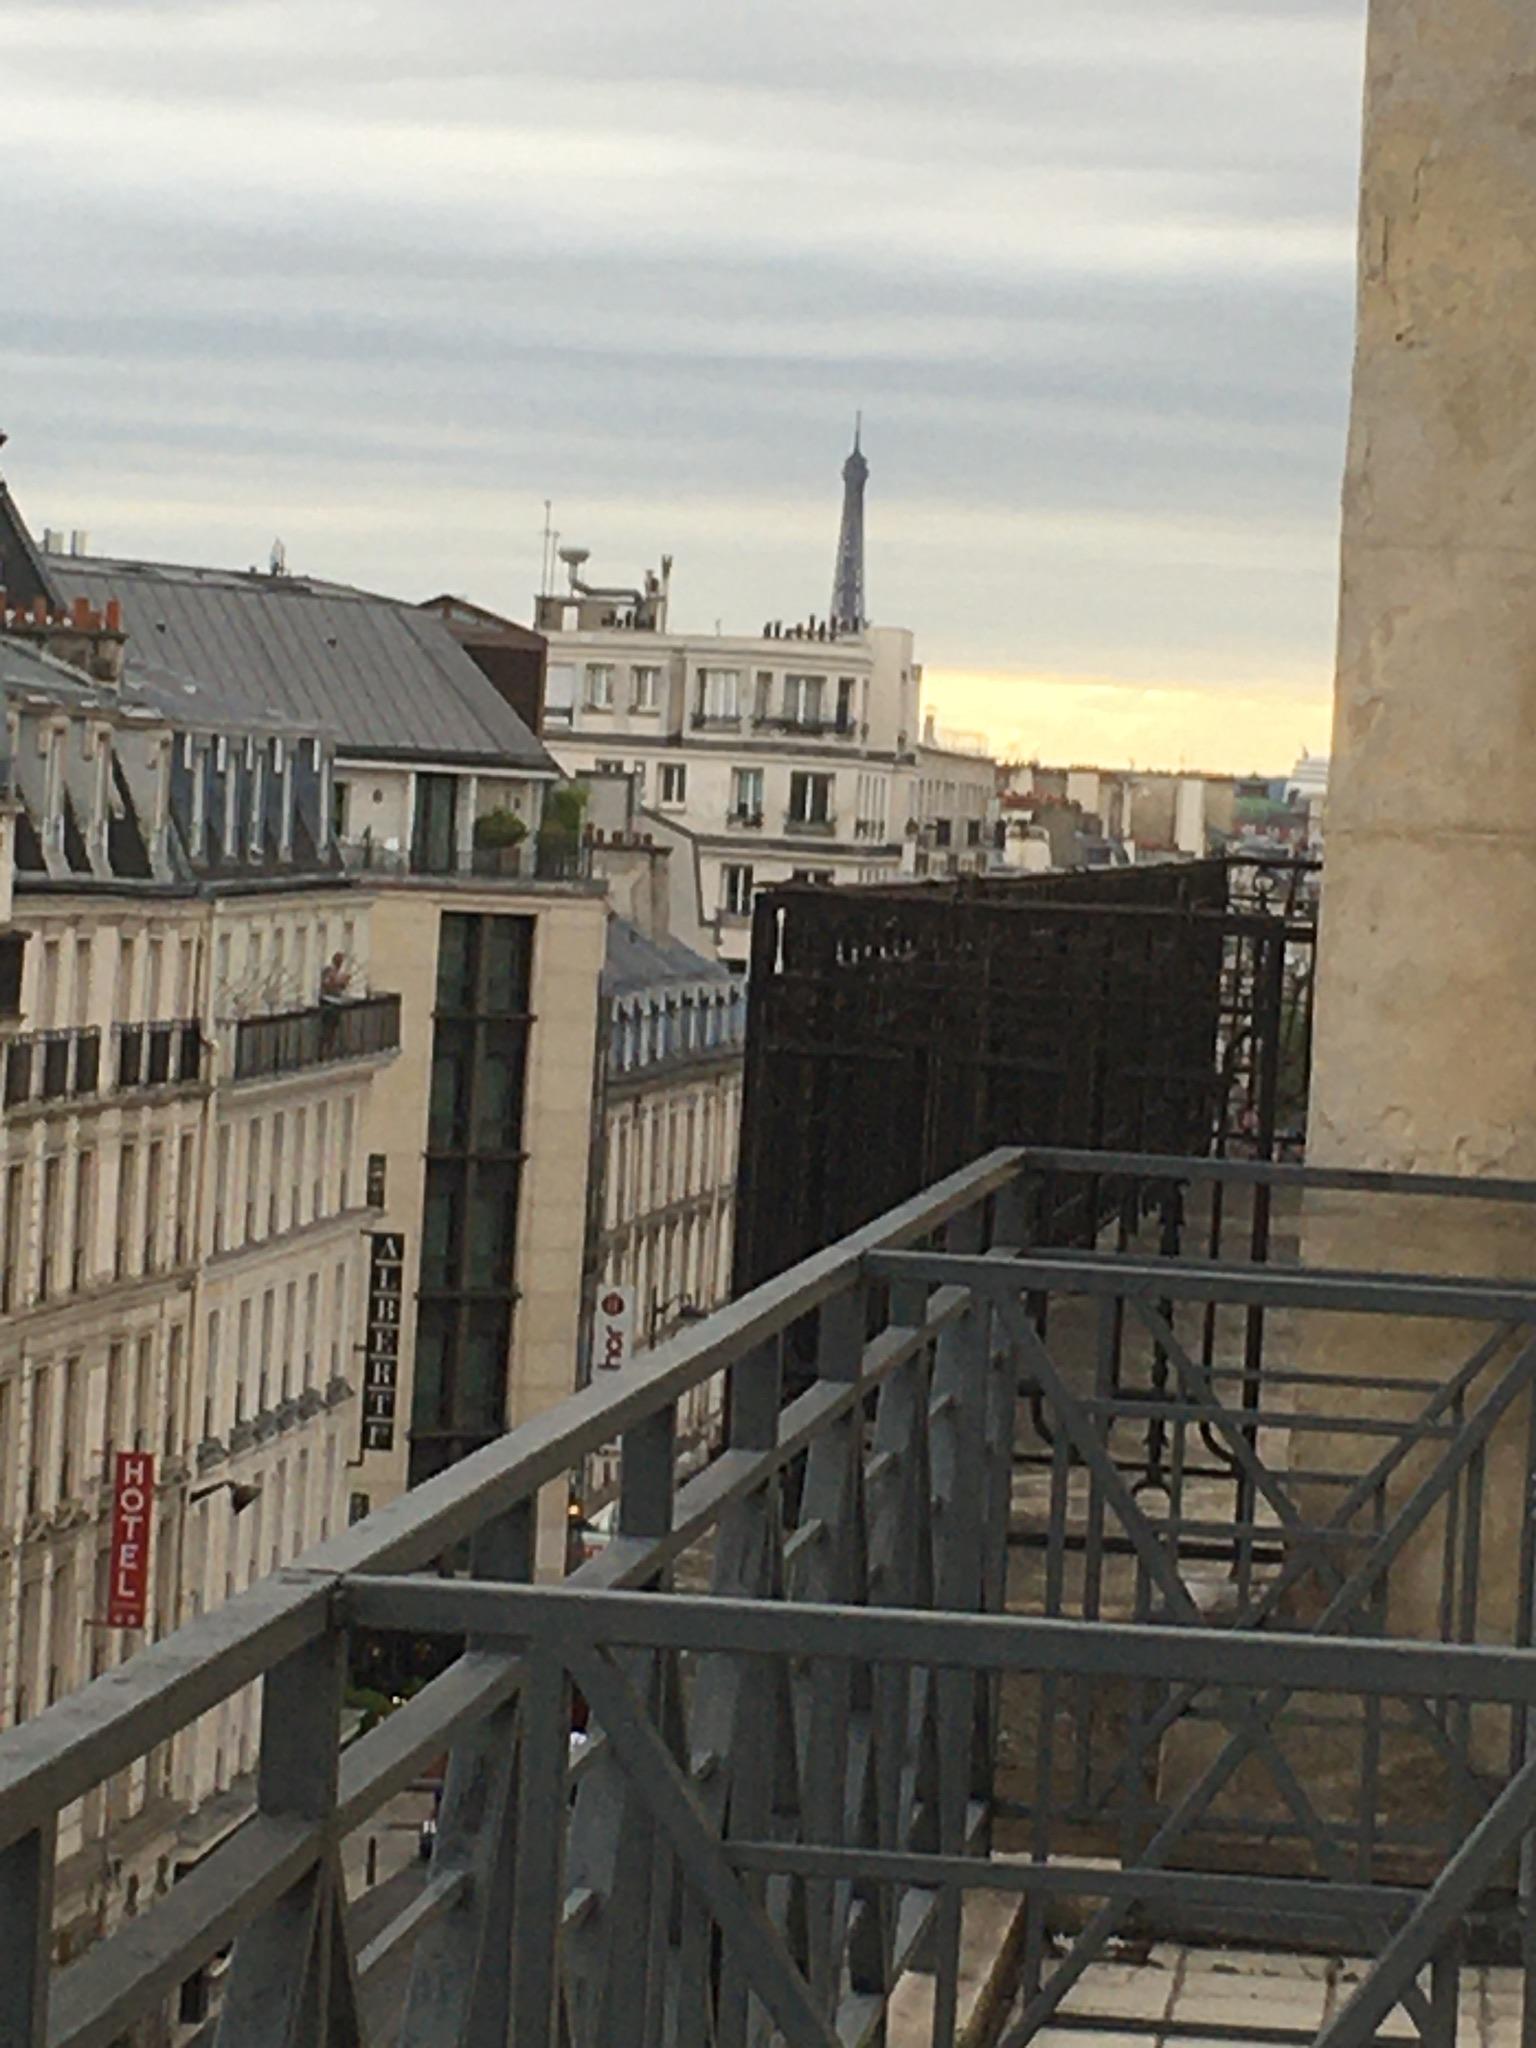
(896, 1032)
(1021, 1495)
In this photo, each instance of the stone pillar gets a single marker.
(1425, 1049)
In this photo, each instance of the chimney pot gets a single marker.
(80, 613)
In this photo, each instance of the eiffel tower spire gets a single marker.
(848, 582)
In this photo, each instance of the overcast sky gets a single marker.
(379, 276)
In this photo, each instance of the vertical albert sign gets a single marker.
(133, 1494)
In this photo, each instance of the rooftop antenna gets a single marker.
(277, 564)
(546, 560)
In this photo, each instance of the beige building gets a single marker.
(478, 1152)
(181, 1200)
(230, 1237)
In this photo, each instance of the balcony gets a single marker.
(808, 728)
(321, 1035)
(535, 860)
(64, 1066)
(716, 721)
(1026, 1587)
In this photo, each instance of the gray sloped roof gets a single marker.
(633, 962)
(383, 677)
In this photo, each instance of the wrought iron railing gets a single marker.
(793, 1779)
(159, 1055)
(291, 1040)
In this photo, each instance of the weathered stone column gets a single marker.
(1426, 1026)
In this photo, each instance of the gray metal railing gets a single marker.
(795, 1777)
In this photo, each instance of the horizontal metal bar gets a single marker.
(391, 1754)
(1277, 1895)
(1268, 1173)
(123, 1977)
(1131, 1406)
(1111, 1275)
(971, 1642)
(86, 1736)
(440, 1896)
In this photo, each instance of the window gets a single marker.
(599, 685)
(82, 1264)
(275, 1178)
(747, 795)
(762, 694)
(645, 689)
(674, 783)
(720, 693)
(845, 703)
(736, 891)
(221, 1189)
(810, 799)
(171, 1442)
(10, 1245)
(608, 768)
(153, 1190)
(48, 1246)
(803, 699)
(72, 1426)
(252, 1175)
(820, 875)
(211, 1373)
(182, 1250)
(126, 1167)
(144, 1394)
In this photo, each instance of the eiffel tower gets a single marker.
(848, 583)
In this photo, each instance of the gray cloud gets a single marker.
(385, 279)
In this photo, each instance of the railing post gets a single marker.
(459, 1989)
(543, 1761)
(291, 1984)
(26, 1935)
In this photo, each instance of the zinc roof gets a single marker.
(383, 677)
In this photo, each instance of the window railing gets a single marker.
(52, 1066)
(324, 1032)
(742, 819)
(825, 828)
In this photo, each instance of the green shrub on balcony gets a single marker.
(498, 829)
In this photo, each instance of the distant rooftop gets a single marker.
(634, 962)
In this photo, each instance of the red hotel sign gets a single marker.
(133, 1493)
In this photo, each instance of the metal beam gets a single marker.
(1127, 1276)
(974, 1642)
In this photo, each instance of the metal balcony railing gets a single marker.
(158, 1055)
(52, 1066)
(791, 1782)
(291, 1040)
(533, 860)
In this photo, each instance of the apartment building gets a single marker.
(785, 755)
(182, 1199)
(477, 1156)
(792, 754)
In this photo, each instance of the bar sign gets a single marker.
(133, 1493)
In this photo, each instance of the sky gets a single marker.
(379, 277)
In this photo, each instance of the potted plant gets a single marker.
(498, 835)
(565, 806)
